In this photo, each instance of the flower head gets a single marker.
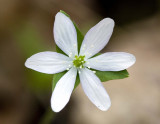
(65, 36)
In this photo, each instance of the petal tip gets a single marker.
(60, 14)
(109, 21)
(54, 108)
(106, 107)
(132, 59)
(27, 63)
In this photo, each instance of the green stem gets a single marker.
(48, 116)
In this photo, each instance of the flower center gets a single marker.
(79, 61)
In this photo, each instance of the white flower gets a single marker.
(95, 40)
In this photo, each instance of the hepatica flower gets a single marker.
(80, 62)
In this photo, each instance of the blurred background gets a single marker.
(26, 28)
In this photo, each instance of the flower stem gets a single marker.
(48, 117)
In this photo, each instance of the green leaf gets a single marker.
(107, 75)
(77, 81)
(96, 55)
(60, 51)
(111, 75)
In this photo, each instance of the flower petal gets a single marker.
(65, 34)
(62, 92)
(97, 37)
(111, 61)
(94, 89)
(48, 62)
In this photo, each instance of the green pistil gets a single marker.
(78, 61)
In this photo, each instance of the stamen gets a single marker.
(78, 61)
(94, 71)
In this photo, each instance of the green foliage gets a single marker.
(102, 75)
(111, 75)
(77, 81)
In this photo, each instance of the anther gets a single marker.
(78, 61)
(94, 71)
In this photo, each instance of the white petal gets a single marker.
(111, 61)
(62, 92)
(97, 37)
(65, 34)
(94, 89)
(48, 62)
